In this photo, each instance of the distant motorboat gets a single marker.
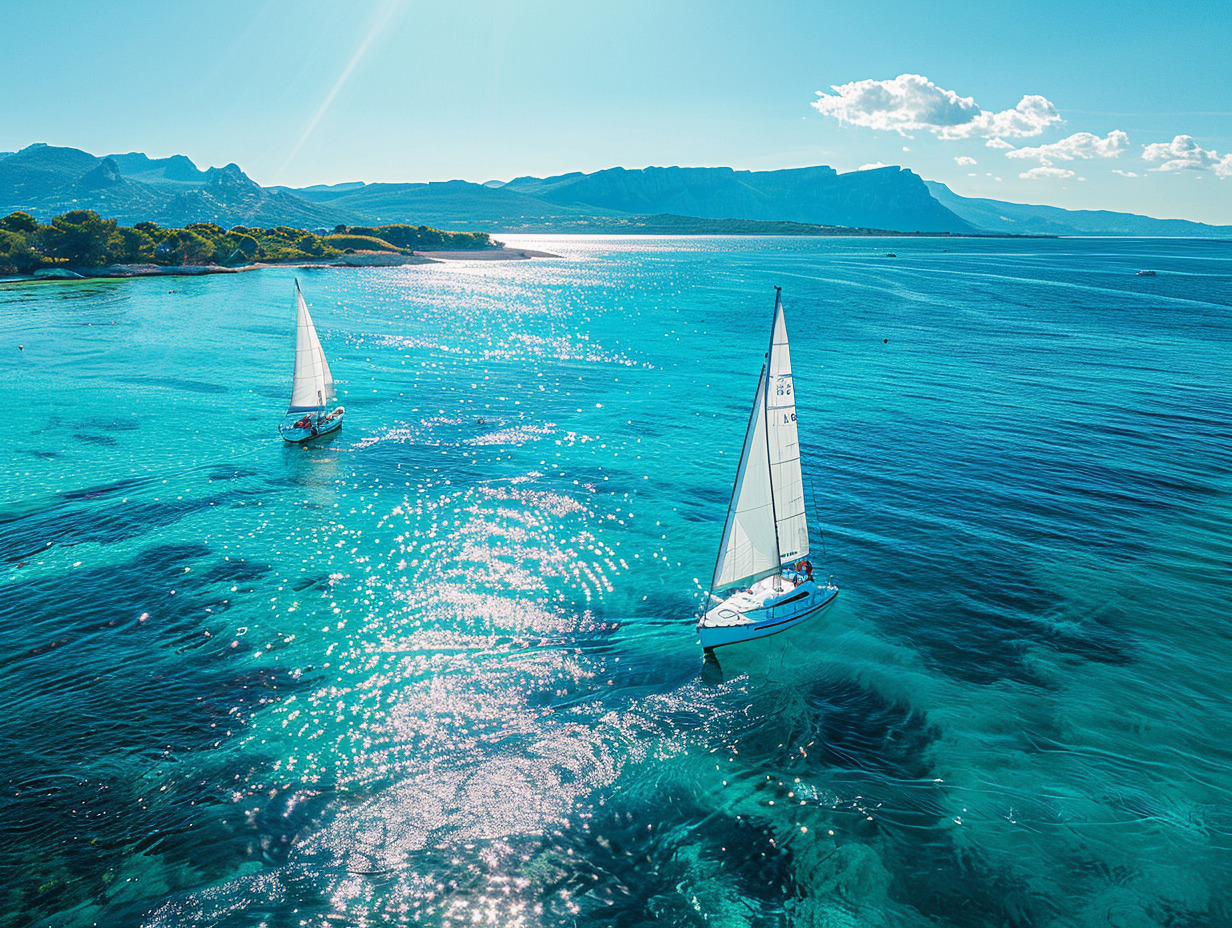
(762, 562)
(312, 384)
(1146, 274)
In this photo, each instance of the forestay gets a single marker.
(313, 384)
(766, 522)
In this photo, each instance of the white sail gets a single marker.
(312, 384)
(330, 396)
(750, 549)
(784, 444)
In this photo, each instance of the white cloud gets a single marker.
(905, 148)
(1125, 173)
(911, 103)
(964, 160)
(997, 143)
(1031, 116)
(1044, 171)
(872, 167)
(1079, 146)
(1184, 154)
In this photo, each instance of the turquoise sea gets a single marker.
(441, 670)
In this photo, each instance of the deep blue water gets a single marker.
(441, 670)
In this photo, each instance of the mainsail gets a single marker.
(312, 385)
(766, 522)
(750, 548)
(784, 444)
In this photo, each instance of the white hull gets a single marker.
(763, 610)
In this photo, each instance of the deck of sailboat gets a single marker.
(298, 436)
(734, 609)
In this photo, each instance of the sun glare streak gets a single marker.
(377, 27)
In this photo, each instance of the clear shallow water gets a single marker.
(441, 669)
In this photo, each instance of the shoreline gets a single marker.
(488, 254)
(361, 260)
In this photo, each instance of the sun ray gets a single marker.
(378, 25)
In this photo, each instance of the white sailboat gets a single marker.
(762, 564)
(312, 385)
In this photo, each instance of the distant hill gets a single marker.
(455, 204)
(1024, 219)
(46, 181)
(668, 224)
(884, 198)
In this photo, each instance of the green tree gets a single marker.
(131, 246)
(206, 229)
(236, 248)
(311, 245)
(20, 222)
(85, 238)
(16, 255)
(183, 246)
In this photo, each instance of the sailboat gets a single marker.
(312, 385)
(762, 569)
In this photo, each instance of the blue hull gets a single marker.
(299, 436)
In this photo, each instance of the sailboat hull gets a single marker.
(749, 615)
(299, 436)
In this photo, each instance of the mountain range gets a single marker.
(45, 181)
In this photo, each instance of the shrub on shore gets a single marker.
(359, 243)
(421, 238)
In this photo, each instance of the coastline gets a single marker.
(359, 260)
(488, 254)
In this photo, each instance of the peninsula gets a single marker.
(81, 243)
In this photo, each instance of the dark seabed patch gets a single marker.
(95, 439)
(117, 783)
(181, 383)
(120, 521)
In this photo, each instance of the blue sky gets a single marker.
(300, 93)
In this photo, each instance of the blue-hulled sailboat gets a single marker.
(312, 385)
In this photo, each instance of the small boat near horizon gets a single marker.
(763, 558)
(312, 384)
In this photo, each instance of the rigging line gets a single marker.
(821, 533)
